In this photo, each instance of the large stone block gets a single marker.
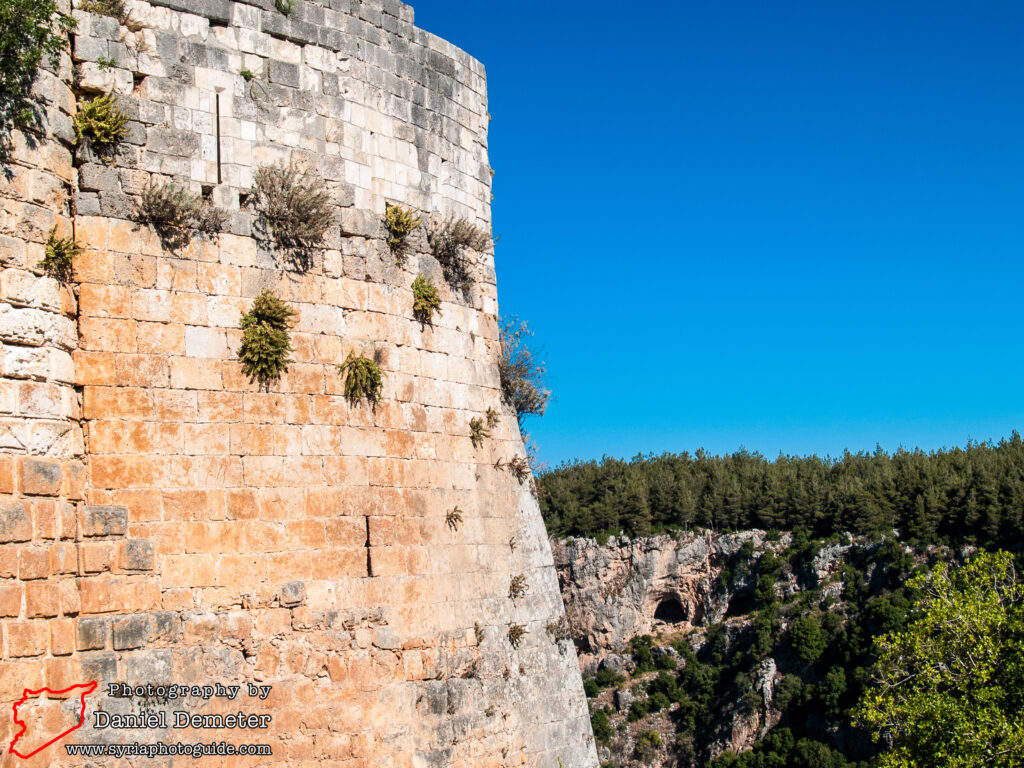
(40, 477)
(15, 523)
(131, 632)
(104, 520)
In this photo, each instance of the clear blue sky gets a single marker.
(791, 226)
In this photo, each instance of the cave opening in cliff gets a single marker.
(670, 610)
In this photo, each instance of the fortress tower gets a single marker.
(164, 520)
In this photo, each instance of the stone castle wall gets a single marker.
(162, 519)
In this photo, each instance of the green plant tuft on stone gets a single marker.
(477, 431)
(425, 300)
(493, 419)
(399, 222)
(449, 240)
(100, 121)
(114, 8)
(515, 634)
(58, 258)
(517, 466)
(295, 206)
(247, 75)
(31, 31)
(285, 6)
(175, 213)
(517, 586)
(453, 519)
(363, 378)
(105, 63)
(265, 340)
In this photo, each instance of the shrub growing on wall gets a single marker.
(58, 258)
(516, 632)
(363, 378)
(449, 240)
(477, 431)
(521, 373)
(265, 340)
(31, 31)
(113, 8)
(400, 222)
(100, 121)
(425, 300)
(294, 206)
(175, 213)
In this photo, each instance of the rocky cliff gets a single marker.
(684, 640)
(628, 587)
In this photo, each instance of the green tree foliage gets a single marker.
(31, 32)
(647, 743)
(975, 492)
(949, 689)
(809, 640)
(824, 662)
(608, 678)
(602, 728)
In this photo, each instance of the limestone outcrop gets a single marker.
(628, 587)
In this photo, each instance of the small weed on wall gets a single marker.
(450, 240)
(516, 633)
(363, 379)
(453, 519)
(477, 431)
(265, 340)
(114, 8)
(175, 214)
(58, 259)
(101, 122)
(294, 208)
(521, 371)
(425, 301)
(400, 222)
(517, 587)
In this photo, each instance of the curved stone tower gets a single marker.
(163, 520)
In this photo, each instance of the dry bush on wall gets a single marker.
(450, 240)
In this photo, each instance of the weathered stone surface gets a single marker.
(132, 632)
(15, 524)
(629, 587)
(93, 634)
(104, 520)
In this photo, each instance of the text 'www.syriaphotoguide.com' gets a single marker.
(160, 749)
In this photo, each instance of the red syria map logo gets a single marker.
(86, 689)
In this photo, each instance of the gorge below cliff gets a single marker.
(705, 648)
